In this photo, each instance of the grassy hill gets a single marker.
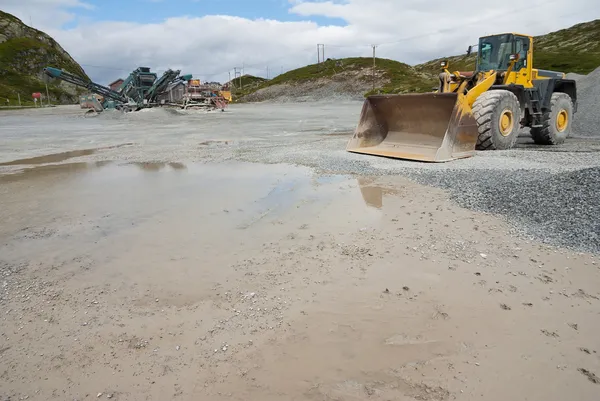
(246, 84)
(24, 52)
(350, 75)
(246, 81)
(575, 49)
(397, 77)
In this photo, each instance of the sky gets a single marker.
(209, 38)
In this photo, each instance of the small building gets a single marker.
(116, 85)
(174, 93)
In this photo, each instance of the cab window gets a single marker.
(521, 48)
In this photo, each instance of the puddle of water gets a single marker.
(157, 166)
(373, 193)
(251, 192)
(187, 205)
(60, 157)
(50, 171)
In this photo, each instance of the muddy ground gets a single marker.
(245, 256)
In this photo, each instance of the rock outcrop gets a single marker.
(24, 52)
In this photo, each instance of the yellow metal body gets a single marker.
(433, 127)
(226, 95)
(562, 120)
(523, 76)
(438, 126)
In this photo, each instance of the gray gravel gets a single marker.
(546, 193)
(556, 208)
(587, 118)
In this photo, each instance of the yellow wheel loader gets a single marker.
(483, 109)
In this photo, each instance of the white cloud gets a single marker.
(44, 14)
(411, 31)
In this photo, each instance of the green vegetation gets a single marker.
(247, 80)
(400, 77)
(9, 17)
(246, 84)
(575, 49)
(23, 55)
(456, 63)
(397, 77)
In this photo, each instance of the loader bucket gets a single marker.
(427, 127)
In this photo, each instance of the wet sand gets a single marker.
(185, 280)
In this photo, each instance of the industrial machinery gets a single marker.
(198, 96)
(139, 90)
(91, 101)
(93, 87)
(483, 109)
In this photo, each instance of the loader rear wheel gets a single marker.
(498, 116)
(556, 123)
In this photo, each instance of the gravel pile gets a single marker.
(558, 209)
(587, 118)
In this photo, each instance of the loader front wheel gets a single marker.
(556, 123)
(498, 116)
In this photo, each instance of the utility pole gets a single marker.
(19, 96)
(237, 73)
(229, 78)
(320, 53)
(48, 95)
(241, 82)
(267, 72)
(374, 47)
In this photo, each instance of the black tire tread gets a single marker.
(483, 108)
(543, 135)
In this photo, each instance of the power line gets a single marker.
(454, 28)
(320, 46)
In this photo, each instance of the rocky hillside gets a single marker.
(24, 52)
(575, 49)
(343, 78)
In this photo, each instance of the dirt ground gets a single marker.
(227, 280)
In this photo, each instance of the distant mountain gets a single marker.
(24, 52)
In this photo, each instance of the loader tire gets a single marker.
(498, 116)
(556, 123)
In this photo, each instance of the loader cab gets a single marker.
(495, 54)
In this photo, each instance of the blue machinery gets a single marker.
(138, 91)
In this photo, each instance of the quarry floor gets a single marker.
(245, 255)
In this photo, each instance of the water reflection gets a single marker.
(52, 158)
(157, 166)
(52, 170)
(177, 166)
(62, 156)
(372, 193)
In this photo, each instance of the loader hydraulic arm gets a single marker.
(483, 83)
(92, 86)
(511, 65)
